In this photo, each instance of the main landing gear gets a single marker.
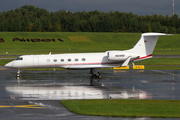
(95, 73)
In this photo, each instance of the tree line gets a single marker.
(29, 18)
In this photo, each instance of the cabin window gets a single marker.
(69, 59)
(83, 59)
(55, 60)
(76, 59)
(62, 60)
(48, 60)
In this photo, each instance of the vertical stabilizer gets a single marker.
(146, 44)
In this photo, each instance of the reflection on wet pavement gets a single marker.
(64, 92)
(43, 90)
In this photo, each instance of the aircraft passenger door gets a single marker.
(36, 61)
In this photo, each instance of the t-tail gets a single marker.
(145, 46)
(141, 51)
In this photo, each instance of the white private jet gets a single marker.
(141, 51)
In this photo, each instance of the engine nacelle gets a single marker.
(120, 55)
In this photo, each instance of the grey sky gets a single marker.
(139, 7)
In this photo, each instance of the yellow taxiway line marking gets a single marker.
(22, 106)
(4, 106)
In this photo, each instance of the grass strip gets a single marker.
(5, 61)
(101, 42)
(125, 108)
(159, 61)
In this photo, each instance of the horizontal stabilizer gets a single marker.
(126, 62)
(169, 34)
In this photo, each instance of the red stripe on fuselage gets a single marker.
(144, 57)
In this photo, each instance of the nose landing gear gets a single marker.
(18, 75)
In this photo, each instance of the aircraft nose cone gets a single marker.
(9, 64)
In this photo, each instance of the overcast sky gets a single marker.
(139, 7)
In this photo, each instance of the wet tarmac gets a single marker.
(37, 94)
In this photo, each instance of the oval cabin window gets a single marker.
(48, 60)
(83, 59)
(55, 60)
(76, 59)
(69, 59)
(62, 60)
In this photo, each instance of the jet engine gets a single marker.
(120, 55)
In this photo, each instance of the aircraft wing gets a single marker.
(126, 62)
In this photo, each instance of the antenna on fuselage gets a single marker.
(50, 53)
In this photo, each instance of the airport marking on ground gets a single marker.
(22, 106)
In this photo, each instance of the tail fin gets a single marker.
(147, 43)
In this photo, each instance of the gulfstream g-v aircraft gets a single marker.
(141, 51)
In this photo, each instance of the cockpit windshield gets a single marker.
(19, 58)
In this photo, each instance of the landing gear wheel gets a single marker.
(18, 75)
(98, 75)
(95, 73)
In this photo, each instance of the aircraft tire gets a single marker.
(98, 75)
(18, 76)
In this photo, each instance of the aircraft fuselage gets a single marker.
(73, 61)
